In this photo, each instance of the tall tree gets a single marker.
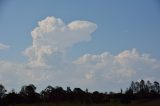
(156, 87)
(2, 90)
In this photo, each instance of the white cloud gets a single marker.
(14, 75)
(52, 35)
(103, 71)
(127, 65)
(97, 72)
(3, 46)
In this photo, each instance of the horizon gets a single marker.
(101, 46)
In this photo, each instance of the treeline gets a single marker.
(27, 94)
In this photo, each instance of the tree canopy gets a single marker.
(27, 94)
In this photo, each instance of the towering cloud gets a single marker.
(52, 35)
(94, 71)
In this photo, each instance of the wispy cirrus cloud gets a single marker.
(4, 46)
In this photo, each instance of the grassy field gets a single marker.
(135, 103)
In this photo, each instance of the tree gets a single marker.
(48, 93)
(2, 91)
(137, 87)
(79, 94)
(28, 90)
(28, 94)
(133, 87)
(142, 85)
(49, 89)
(156, 87)
(13, 97)
(149, 86)
(78, 90)
(69, 90)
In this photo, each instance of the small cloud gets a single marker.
(4, 47)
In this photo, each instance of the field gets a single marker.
(135, 103)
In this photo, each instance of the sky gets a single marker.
(99, 45)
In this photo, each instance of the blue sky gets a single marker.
(121, 26)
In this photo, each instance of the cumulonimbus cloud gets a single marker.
(53, 35)
(94, 71)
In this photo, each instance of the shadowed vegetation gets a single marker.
(138, 93)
